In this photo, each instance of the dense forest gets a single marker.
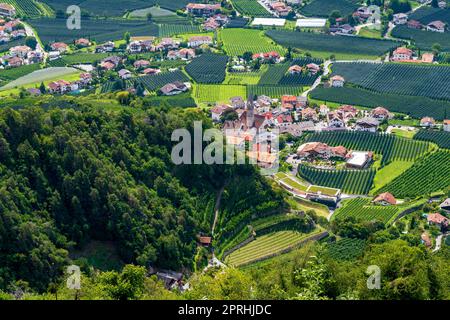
(70, 176)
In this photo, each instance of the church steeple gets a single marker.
(250, 112)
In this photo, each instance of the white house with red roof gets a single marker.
(402, 54)
(438, 220)
(385, 199)
(7, 10)
(427, 122)
(197, 41)
(436, 26)
(446, 125)
(337, 81)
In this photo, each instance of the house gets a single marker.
(54, 55)
(402, 54)
(426, 240)
(85, 78)
(367, 124)
(271, 56)
(134, 47)
(200, 9)
(358, 159)
(20, 51)
(211, 25)
(438, 220)
(335, 120)
(60, 86)
(442, 4)
(445, 205)
(219, 110)
(34, 91)
(446, 125)
(138, 64)
(16, 34)
(313, 68)
(385, 199)
(205, 241)
(414, 24)
(400, 18)
(342, 29)
(237, 102)
(174, 88)
(380, 113)
(82, 42)
(106, 47)
(280, 8)
(436, 26)
(427, 122)
(167, 43)
(35, 57)
(7, 10)
(295, 69)
(428, 57)
(14, 62)
(197, 41)
(149, 71)
(321, 150)
(323, 110)
(309, 114)
(347, 112)
(125, 74)
(363, 13)
(186, 53)
(108, 65)
(337, 81)
(59, 46)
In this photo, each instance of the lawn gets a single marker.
(206, 93)
(389, 173)
(404, 133)
(369, 33)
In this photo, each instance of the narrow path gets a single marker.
(439, 241)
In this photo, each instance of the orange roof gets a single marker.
(205, 240)
(437, 218)
(403, 50)
(389, 198)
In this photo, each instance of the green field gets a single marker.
(238, 41)
(250, 8)
(441, 138)
(43, 75)
(323, 8)
(389, 173)
(78, 58)
(29, 8)
(266, 246)
(206, 93)
(346, 249)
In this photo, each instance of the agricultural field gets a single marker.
(349, 181)
(168, 30)
(6, 46)
(274, 91)
(423, 39)
(278, 75)
(78, 58)
(42, 75)
(323, 8)
(250, 8)
(99, 30)
(441, 138)
(428, 14)
(362, 209)
(208, 68)
(346, 249)
(155, 11)
(266, 246)
(389, 172)
(391, 147)
(237, 22)
(29, 8)
(238, 41)
(416, 107)
(209, 93)
(157, 81)
(404, 79)
(245, 78)
(332, 44)
(426, 176)
(16, 73)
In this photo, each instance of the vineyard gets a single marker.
(349, 181)
(218, 93)
(250, 8)
(441, 138)
(416, 107)
(208, 68)
(28, 8)
(79, 58)
(423, 39)
(426, 176)
(6, 46)
(278, 75)
(323, 8)
(237, 23)
(168, 30)
(428, 14)
(330, 43)
(238, 41)
(157, 81)
(266, 246)
(390, 147)
(405, 79)
(346, 249)
(362, 209)
(100, 30)
(16, 73)
(274, 91)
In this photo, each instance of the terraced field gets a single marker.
(238, 41)
(266, 246)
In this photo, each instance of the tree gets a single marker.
(127, 285)
(127, 37)
(247, 56)
(437, 48)
(42, 88)
(31, 42)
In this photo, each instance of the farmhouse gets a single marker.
(210, 25)
(402, 54)
(82, 42)
(313, 150)
(60, 86)
(438, 220)
(125, 74)
(7, 10)
(427, 122)
(313, 68)
(436, 26)
(174, 88)
(359, 159)
(59, 46)
(367, 124)
(219, 110)
(337, 81)
(414, 24)
(400, 18)
(295, 69)
(271, 56)
(380, 113)
(385, 199)
(20, 51)
(335, 120)
(280, 8)
(197, 41)
(446, 125)
(200, 9)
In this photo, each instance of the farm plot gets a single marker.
(423, 39)
(100, 30)
(39, 76)
(426, 176)
(346, 249)
(441, 138)
(405, 79)
(274, 91)
(250, 8)
(168, 30)
(330, 43)
(238, 22)
(362, 209)
(79, 58)
(157, 81)
(416, 107)
(208, 68)
(390, 147)
(238, 41)
(265, 246)
(6, 46)
(323, 8)
(28, 8)
(278, 75)
(349, 181)
(428, 14)
(16, 73)
(218, 93)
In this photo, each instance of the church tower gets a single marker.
(250, 112)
